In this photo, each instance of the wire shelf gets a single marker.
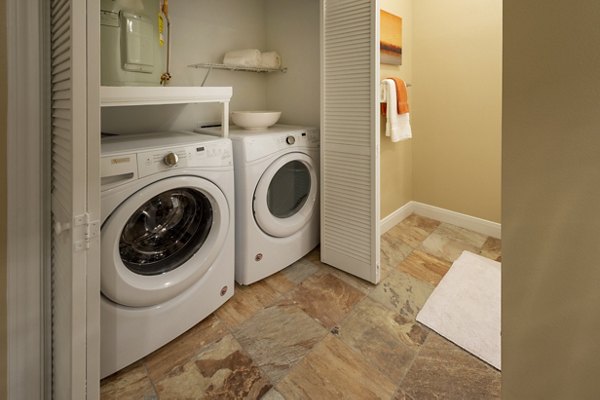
(236, 67)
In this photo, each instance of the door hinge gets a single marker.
(85, 231)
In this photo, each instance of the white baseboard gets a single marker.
(396, 217)
(475, 224)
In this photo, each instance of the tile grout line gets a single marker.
(357, 351)
(280, 296)
(150, 379)
(327, 330)
(418, 247)
(296, 365)
(412, 362)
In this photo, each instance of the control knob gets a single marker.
(290, 140)
(171, 159)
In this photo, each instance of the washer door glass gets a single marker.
(166, 231)
(289, 189)
(285, 196)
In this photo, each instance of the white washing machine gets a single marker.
(277, 203)
(167, 239)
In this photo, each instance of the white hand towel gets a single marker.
(270, 59)
(402, 130)
(246, 58)
(397, 126)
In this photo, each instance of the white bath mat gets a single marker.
(465, 307)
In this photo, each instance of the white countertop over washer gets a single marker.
(154, 140)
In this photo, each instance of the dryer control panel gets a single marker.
(259, 146)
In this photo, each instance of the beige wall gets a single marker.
(3, 101)
(397, 158)
(456, 105)
(551, 198)
(293, 31)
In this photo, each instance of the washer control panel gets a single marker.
(207, 155)
(118, 169)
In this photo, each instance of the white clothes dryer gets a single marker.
(277, 198)
(167, 239)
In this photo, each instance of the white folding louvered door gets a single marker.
(75, 203)
(350, 136)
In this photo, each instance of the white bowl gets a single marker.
(255, 119)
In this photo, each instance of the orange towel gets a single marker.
(401, 95)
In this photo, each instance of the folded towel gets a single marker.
(397, 125)
(246, 58)
(270, 59)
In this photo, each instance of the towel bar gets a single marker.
(407, 84)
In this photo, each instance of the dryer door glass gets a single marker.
(289, 189)
(166, 231)
(285, 196)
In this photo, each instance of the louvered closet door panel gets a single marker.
(68, 114)
(350, 136)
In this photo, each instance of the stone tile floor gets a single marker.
(314, 332)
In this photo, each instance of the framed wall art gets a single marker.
(390, 43)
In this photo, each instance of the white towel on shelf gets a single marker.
(397, 126)
(270, 59)
(246, 58)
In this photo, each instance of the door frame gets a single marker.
(28, 202)
(29, 329)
